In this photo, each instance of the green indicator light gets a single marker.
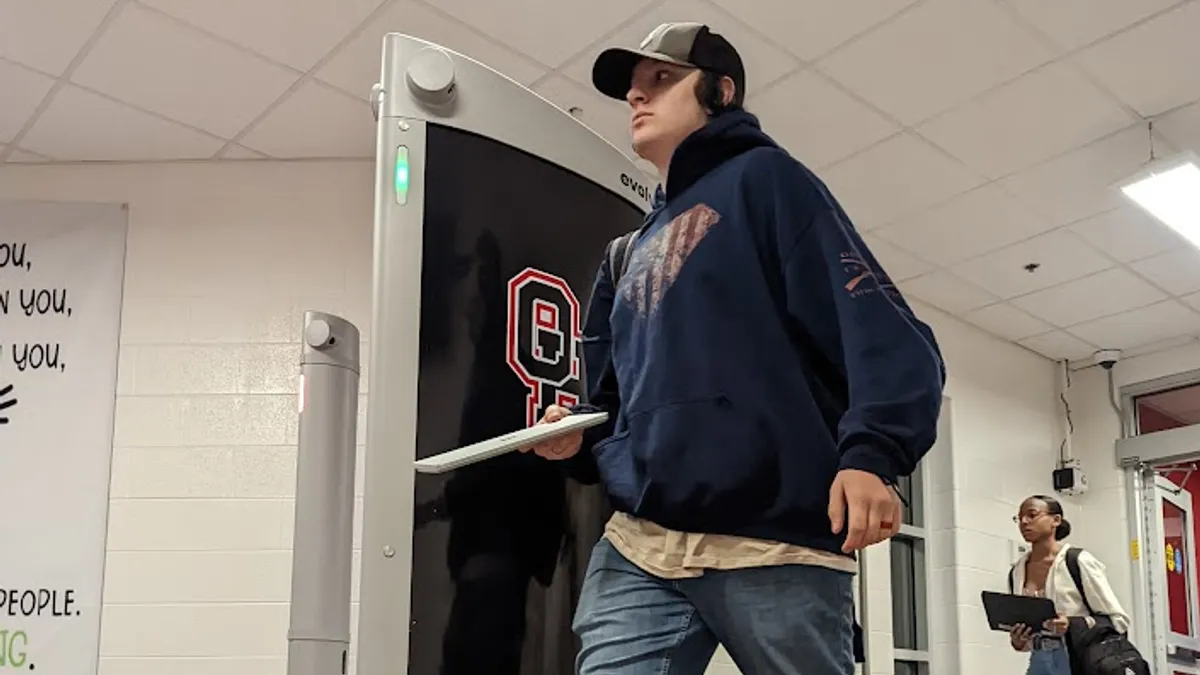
(401, 174)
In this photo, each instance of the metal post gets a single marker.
(319, 633)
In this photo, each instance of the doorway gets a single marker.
(1173, 574)
(1161, 449)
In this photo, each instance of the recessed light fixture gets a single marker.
(1169, 189)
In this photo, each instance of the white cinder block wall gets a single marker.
(1002, 435)
(1101, 516)
(222, 260)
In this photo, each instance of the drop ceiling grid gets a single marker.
(1028, 114)
(1091, 288)
(994, 305)
(952, 289)
(198, 35)
(857, 33)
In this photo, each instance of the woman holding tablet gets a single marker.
(1044, 572)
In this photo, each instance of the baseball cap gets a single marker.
(681, 43)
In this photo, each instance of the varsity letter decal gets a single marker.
(544, 340)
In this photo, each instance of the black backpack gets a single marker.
(1101, 649)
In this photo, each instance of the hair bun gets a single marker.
(1063, 530)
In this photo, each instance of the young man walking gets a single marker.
(766, 384)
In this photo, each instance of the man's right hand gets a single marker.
(559, 447)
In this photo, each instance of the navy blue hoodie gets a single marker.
(752, 349)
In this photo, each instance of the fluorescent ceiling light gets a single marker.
(1169, 190)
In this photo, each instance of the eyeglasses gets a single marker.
(1029, 516)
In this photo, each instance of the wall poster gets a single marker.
(62, 268)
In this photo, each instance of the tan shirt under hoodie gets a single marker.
(669, 554)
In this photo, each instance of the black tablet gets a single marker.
(1005, 610)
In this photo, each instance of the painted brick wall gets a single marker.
(1100, 518)
(1002, 428)
(222, 261)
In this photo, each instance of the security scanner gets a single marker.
(319, 633)
(493, 208)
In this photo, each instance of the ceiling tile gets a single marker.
(141, 56)
(1145, 66)
(810, 28)
(111, 131)
(898, 264)
(1075, 23)
(941, 53)
(969, 225)
(1181, 127)
(23, 91)
(603, 115)
(1058, 346)
(1033, 118)
(1142, 326)
(19, 156)
(1081, 183)
(1176, 271)
(764, 62)
(1060, 256)
(1127, 233)
(355, 68)
(47, 34)
(550, 32)
(895, 178)
(1108, 292)
(238, 152)
(1006, 321)
(946, 292)
(315, 121)
(1160, 346)
(816, 121)
(297, 34)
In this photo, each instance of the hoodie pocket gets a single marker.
(701, 460)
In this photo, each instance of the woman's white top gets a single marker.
(1060, 588)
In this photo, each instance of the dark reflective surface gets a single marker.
(500, 547)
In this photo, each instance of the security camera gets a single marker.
(1107, 358)
(1069, 479)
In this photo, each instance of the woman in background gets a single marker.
(1043, 572)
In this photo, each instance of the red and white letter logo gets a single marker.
(544, 340)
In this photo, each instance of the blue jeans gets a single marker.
(783, 620)
(1054, 661)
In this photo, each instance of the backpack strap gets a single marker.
(1077, 576)
(618, 254)
(1011, 570)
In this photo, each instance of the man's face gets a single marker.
(663, 108)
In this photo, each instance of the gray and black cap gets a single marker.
(683, 44)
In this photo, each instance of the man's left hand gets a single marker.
(869, 509)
